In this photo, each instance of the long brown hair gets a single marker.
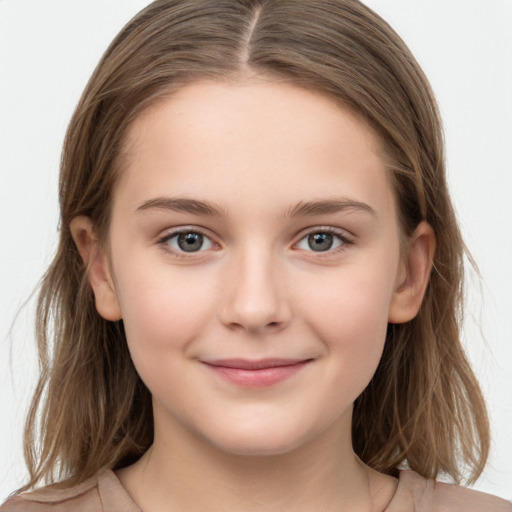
(423, 405)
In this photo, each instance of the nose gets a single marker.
(255, 297)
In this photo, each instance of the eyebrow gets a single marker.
(194, 206)
(209, 209)
(328, 206)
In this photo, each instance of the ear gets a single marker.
(413, 275)
(96, 261)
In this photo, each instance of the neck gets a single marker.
(184, 472)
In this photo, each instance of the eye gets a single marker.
(321, 241)
(187, 241)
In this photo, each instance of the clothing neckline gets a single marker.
(112, 479)
(413, 492)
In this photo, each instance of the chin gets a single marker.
(264, 442)
(258, 450)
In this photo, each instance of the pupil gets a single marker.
(190, 242)
(320, 241)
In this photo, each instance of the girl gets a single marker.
(255, 300)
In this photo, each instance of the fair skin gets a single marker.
(257, 325)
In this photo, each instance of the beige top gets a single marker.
(104, 493)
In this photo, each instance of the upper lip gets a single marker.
(254, 364)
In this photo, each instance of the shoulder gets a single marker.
(101, 493)
(416, 493)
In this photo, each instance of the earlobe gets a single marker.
(414, 275)
(97, 265)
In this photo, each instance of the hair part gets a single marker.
(423, 405)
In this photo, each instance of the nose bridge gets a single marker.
(255, 293)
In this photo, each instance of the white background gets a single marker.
(48, 49)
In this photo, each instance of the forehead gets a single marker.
(259, 139)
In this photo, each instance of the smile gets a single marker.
(256, 374)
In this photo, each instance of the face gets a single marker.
(254, 257)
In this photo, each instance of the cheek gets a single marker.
(163, 313)
(350, 315)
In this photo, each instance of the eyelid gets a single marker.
(164, 238)
(345, 237)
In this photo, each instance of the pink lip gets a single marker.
(256, 374)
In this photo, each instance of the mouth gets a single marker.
(256, 373)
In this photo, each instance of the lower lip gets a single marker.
(260, 378)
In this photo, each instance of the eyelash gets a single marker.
(163, 242)
(344, 240)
